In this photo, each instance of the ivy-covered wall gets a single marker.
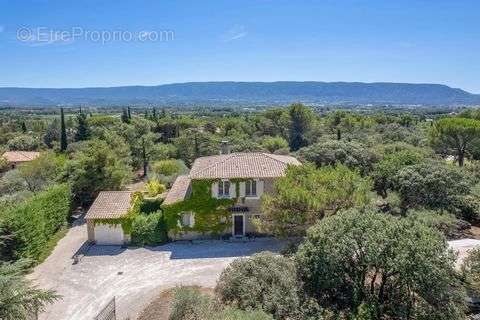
(127, 220)
(208, 210)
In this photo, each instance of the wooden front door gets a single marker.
(238, 225)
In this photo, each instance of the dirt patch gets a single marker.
(159, 307)
(474, 232)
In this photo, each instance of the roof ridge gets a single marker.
(270, 156)
(229, 156)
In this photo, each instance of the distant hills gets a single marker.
(244, 94)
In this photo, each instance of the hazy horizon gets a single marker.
(56, 44)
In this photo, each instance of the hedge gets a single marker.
(33, 222)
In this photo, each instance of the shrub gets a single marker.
(391, 268)
(33, 222)
(272, 144)
(191, 304)
(471, 270)
(154, 187)
(443, 222)
(265, 281)
(149, 229)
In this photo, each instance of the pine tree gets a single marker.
(63, 132)
(83, 132)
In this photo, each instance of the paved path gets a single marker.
(134, 276)
(462, 247)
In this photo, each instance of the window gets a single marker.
(224, 188)
(251, 188)
(188, 219)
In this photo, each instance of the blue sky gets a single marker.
(430, 41)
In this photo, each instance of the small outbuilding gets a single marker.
(15, 158)
(105, 215)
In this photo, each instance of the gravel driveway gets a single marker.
(134, 276)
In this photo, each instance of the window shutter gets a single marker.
(192, 220)
(233, 190)
(259, 188)
(242, 189)
(215, 190)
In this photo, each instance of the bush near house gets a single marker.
(30, 224)
(149, 229)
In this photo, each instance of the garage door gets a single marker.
(106, 234)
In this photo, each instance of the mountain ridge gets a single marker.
(244, 93)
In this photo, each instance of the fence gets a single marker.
(108, 312)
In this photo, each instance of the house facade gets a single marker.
(231, 186)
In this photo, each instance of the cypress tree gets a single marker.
(24, 127)
(125, 116)
(63, 132)
(129, 114)
(83, 132)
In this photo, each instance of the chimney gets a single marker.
(224, 147)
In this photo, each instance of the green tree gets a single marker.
(301, 123)
(307, 194)
(52, 133)
(125, 118)
(24, 127)
(265, 281)
(380, 267)
(352, 154)
(83, 131)
(41, 172)
(434, 186)
(386, 170)
(273, 144)
(63, 132)
(19, 299)
(23, 143)
(95, 167)
(455, 136)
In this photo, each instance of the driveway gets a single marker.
(134, 275)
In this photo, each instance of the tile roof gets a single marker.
(241, 165)
(110, 205)
(178, 191)
(20, 156)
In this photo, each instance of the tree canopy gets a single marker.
(380, 267)
(307, 194)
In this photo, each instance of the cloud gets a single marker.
(234, 33)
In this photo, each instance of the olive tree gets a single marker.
(381, 267)
(435, 186)
(264, 281)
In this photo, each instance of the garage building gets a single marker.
(109, 205)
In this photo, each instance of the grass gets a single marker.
(52, 243)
